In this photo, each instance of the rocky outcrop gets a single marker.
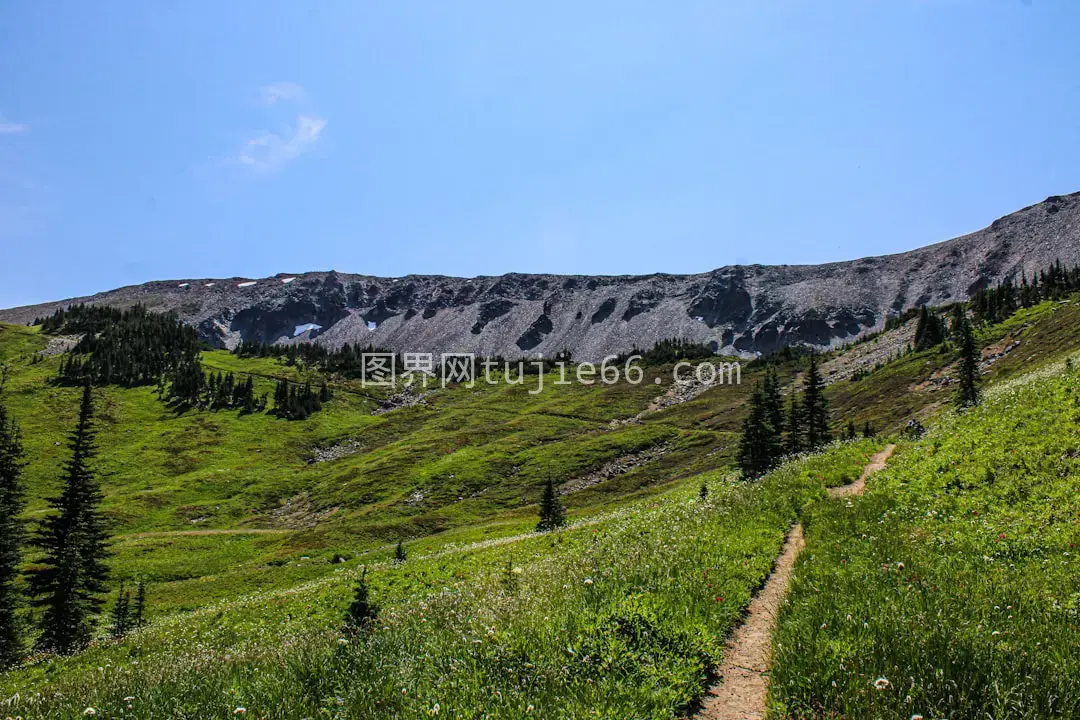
(738, 309)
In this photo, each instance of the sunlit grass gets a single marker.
(956, 578)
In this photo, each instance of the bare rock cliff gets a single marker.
(738, 309)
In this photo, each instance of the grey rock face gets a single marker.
(737, 309)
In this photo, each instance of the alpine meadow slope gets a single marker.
(251, 531)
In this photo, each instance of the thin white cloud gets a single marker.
(10, 128)
(282, 91)
(271, 151)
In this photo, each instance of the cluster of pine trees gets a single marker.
(137, 347)
(79, 319)
(298, 402)
(993, 305)
(130, 347)
(346, 360)
(215, 391)
(68, 583)
(931, 331)
(770, 430)
(674, 350)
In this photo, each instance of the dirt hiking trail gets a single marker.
(877, 462)
(743, 677)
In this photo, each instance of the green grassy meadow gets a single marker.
(952, 589)
(251, 549)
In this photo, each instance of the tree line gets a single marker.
(66, 586)
(297, 402)
(129, 348)
(773, 429)
(136, 347)
(993, 305)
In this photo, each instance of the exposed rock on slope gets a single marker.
(739, 309)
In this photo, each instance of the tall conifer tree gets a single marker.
(794, 426)
(968, 393)
(69, 585)
(755, 456)
(11, 537)
(815, 407)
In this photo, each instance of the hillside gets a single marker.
(737, 309)
(351, 479)
(252, 529)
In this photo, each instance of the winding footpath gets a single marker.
(743, 684)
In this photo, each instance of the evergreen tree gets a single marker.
(11, 537)
(703, 493)
(957, 320)
(281, 396)
(968, 393)
(794, 426)
(138, 613)
(121, 614)
(868, 430)
(399, 553)
(929, 331)
(774, 409)
(552, 513)
(756, 450)
(815, 407)
(850, 435)
(72, 575)
(361, 611)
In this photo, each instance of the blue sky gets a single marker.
(154, 140)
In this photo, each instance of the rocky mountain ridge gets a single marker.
(738, 309)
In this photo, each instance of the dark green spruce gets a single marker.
(138, 611)
(70, 579)
(11, 538)
(968, 393)
(815, 407)
(794, 426)
(552, 513)
(362, 611)
(121, 614)
(756, 446)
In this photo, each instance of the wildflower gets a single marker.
(240, 711)
(529, 709)
(588, 581)
(342, 641)
(882, 684)
(89, 712)
(129, 698)
(899, 566)
(916, 716)
(434, 710)
(517, 571)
